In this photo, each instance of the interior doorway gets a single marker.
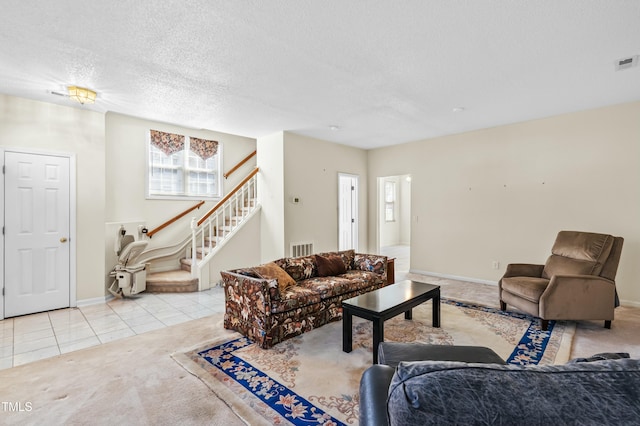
(38, 241)
(347, 211)
(394, 221)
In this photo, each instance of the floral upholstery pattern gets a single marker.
(256, 308)
(301, 268)
(169, 143)
(365, 262)
(346, 255)
(203, 148)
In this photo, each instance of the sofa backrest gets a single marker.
(443, 393)
(304, 267)
(582, 253)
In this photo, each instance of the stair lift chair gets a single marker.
(130, 276)
(576, 283)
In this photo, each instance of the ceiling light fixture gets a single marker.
(334, 128)
(458, 109)
(82, 95)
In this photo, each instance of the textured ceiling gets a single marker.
(384, 72)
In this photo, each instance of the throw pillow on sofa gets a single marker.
(271, 271)
(330, 265)
(299, 268)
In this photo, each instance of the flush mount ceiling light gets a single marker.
(82, 95)
(457, 109)
(334, 128)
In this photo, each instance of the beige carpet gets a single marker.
(135, 381)
(310, 376)
(132, 381)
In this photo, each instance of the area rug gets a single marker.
(309, 380)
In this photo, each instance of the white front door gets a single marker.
(347, 212)
(36, 233)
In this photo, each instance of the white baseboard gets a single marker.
(627, 303)
(453, 277)
(94, 301)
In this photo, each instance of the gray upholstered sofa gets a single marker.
(604, 389)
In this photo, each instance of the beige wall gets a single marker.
(497, 194)
(126, 157)
(126, 202)
(271, 196)
(311, 169)
(502, 194)
(241, 251)
(297, 166)
(31, 125)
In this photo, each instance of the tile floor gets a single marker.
(401, 254)
(33, 337)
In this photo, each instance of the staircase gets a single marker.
(208, 235)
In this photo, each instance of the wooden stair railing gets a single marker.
(237, 166)
(226, 197)
(219, 224)
(151, 233)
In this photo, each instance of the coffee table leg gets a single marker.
(436, 309)
(408, 314)
(346, 330)
(378, 336)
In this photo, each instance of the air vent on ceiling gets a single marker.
(624, 63)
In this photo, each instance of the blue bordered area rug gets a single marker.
(308, 380)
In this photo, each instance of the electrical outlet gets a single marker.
(496, 264)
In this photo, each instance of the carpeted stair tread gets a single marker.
(176, 281)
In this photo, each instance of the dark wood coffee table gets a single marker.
(385, 303)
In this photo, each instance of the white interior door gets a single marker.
(347, 212)
(37, 224)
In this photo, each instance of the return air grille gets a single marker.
(624, 63)
(301, 249)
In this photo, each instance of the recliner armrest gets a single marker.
(523, 270)
(578, 296)
(374, 390)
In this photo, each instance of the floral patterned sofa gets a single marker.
(282, 299)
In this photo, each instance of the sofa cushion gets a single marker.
(347, 256)
(301, 268)
(447, 393)
(295, 297)
(392, 353)
(330, 265)
(363, 279)
(601, 357)
(364, 262)
(271, 271)
(529, 288)
(329, 286)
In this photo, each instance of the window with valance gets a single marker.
(182, 166)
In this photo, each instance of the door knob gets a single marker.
(63, 240)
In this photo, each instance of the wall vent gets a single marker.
(624, 63)
(301, 249)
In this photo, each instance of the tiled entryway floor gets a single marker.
(33, 337)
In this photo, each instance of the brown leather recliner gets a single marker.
(576, 283)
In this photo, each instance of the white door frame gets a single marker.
(356, 223)
(72, 219)
(380, 203)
